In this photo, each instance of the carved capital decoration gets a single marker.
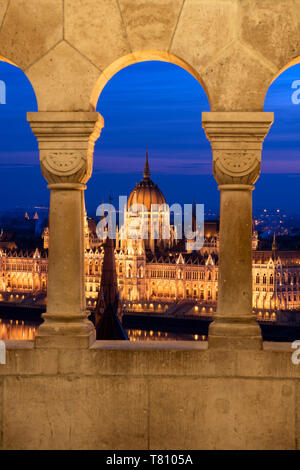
(236, 140)
(66, 143)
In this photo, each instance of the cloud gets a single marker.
(171, 165)
(281, 166)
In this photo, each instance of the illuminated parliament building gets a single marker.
(159, 275)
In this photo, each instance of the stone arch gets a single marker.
(4, 59)
(8, 61)
(290, 63)
(137, 57)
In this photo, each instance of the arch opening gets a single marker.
(135, 58)
(155, 105)
(19, 160)
(280, 157)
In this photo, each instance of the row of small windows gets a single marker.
(287, 278)
(194, 293)
(93, 268)
(25, 267)
(189, 275)
(195, 275)
(93, 288)
(23, 284)
(288, 297)
(163, 274)
(264, 279)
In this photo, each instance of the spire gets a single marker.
(146, 168)
(274, 245)
(108, 325)
(194, 217)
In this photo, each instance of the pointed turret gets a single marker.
(274, 244)
(108, 325)
(146, 173)
(274, 247)
(194, 217)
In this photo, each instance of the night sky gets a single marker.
(158, 105)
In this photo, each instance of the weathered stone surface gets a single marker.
(75, 413)
(147, 363)
(221, 414)
(66, 144)
(30, 361)
(272, 28)
(266, 364)
(30, 30)
(203, 30)
(1, 411)
(237, 81)
(236, 140)
(96, 29)
(100, 398)
(297, 414)
(3, 8)
(63, 80)
(198, 399)
(150, 24)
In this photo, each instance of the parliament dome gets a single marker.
(146, 192)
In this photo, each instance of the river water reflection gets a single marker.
(22, 330)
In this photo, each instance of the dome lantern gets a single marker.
(146, 173)
(146, 192)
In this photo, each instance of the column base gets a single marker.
(227, 332)
(55, 333)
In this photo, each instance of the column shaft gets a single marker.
(65, 269)
(66, 143)
(235, 252)
(66, 315)
(236, 140)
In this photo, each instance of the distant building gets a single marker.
(153, 275)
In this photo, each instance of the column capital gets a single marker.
(66, 143)
(236, 140)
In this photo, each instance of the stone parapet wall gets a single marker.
(145, 396)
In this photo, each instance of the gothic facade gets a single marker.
(152, 277)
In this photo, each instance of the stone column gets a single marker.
(66, 143)
(236, 139)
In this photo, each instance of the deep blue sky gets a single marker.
(158, 105)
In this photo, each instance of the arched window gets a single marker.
(257, 279)
(264, 279)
